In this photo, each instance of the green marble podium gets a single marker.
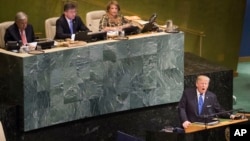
(67, 84)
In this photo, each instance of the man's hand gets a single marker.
(236, 117)
(186, 124)
(232, 116)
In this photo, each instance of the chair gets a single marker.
(50, 27)
(121, 136)
(3, 27)
(2, 136)
(93, 19)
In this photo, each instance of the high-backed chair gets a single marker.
(50, 27)
(2, 136)
(3, 27)
(93, 19)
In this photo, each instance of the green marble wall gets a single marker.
(221, 21)
(98, 79)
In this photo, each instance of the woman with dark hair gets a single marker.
(113, 20)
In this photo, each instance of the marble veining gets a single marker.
(101, 78)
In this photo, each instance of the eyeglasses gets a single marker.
(71, 11)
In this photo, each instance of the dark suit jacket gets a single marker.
(188, 106)
(13, 34)
(62, 27)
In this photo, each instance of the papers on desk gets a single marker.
(132, 18)
(70, 44)
(136, 19)
(141, 22)
(208, 123)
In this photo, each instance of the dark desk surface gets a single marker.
(195, 64)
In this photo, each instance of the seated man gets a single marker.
(20, 31)
(69, 23)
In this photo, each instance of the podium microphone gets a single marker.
(224, 112)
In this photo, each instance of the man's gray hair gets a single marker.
(20, 16)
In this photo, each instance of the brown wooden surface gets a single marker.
(2, 136)
(80, 44)
(247, 115)
(198, 127)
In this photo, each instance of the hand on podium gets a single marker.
(186, 123)
(237, 117)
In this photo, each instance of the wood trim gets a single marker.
(235, 74)
(2, 136)
(244, 59)
(197, 127)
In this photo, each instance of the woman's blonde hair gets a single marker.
(113, 2)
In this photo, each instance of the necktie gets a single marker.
(71, 27)
(23, 37)
(200, 103)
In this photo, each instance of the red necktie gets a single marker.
(23, 36)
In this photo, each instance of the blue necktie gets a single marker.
(71, 27)
(200, 103)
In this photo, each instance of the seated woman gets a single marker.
(113, 20)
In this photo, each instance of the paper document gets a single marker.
(142, 22)
(208, 123)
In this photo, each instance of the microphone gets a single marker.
(244, 112)
(152, 18)
(225, 112)
(209, 109)
(242, 115)
(212, 114)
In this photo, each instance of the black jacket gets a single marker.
(188, 106)
(62, 27)
(13, 34)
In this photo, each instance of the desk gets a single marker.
(191, 132)
(67, 84)
(2, 136)
(225, 122)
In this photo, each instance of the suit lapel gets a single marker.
(74, 25)
(27, 33)
(195, 101)
(17, 34)
(206, 100)
(66, 25)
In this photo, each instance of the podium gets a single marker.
(223, 122)
(195, 132)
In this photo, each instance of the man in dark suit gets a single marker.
(69, 23)
(20, 31)
(193, 97)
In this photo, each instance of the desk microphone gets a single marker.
(224, 112)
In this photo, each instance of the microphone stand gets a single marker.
(205, 117)
(225, 112)
(206, 121)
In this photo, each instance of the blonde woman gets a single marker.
(113, 20)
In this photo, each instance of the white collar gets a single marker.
(68, 20)
(23, 31)
(198, 93)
